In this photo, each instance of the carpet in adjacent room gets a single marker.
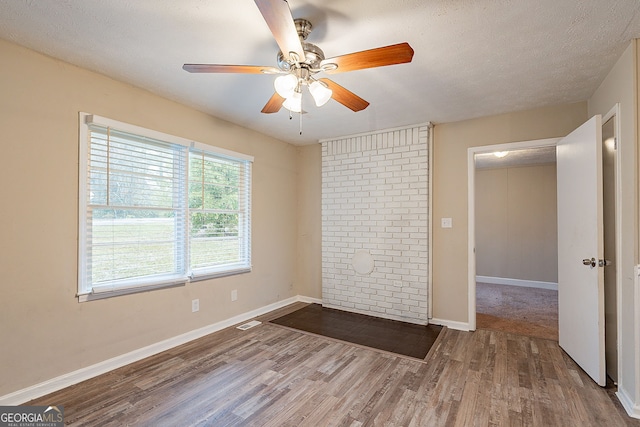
(526, 311)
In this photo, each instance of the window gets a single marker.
(218, 236)
(157, 210)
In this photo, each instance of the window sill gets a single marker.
(119, 292)
(215, 274)
(93, 296)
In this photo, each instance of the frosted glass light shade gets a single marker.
(286, 85)
(294, 102)
(320, 92)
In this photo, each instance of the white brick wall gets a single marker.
(375, 199)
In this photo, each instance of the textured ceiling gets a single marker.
(472, 57)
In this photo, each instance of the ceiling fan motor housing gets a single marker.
(313, 56)
(312, 53)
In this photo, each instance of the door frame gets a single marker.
(614, 114)
(471, 238)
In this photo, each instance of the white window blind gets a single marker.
(156, 210)
(219, 213)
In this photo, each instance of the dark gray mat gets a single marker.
(394, 336)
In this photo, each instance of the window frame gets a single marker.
(244, 196)
(89, 291)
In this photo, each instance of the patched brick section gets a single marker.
(375, 198)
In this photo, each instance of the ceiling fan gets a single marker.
(299, 62)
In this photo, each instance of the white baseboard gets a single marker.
(460, 326)
(308, 300)
(517, 282)
(71, 378)
(633, 410)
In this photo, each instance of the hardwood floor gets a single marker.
(273, 376)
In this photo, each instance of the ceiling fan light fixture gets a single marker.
(294, 102)
(320, 92)
(286, 85)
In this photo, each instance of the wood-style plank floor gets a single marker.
(273, 376)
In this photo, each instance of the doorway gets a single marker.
(471, 175)
(516, 241)
(611, 160)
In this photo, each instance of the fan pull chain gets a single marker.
(300, 114)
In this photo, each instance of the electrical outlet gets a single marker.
(446, 223)
(195, 305)
(234, 295)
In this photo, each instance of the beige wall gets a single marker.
(44, 331)
(451, 142)
(516, 223)
(620, 86)
(309, 257)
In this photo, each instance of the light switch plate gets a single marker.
(446, 223)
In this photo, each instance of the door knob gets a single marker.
(593, 262)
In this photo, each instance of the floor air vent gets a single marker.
(249, 325)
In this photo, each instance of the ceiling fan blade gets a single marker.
(278, 17)
(379, 57)
(345, 96)
(274, 104)
(217, 68)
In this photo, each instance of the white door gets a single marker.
(580, 240)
